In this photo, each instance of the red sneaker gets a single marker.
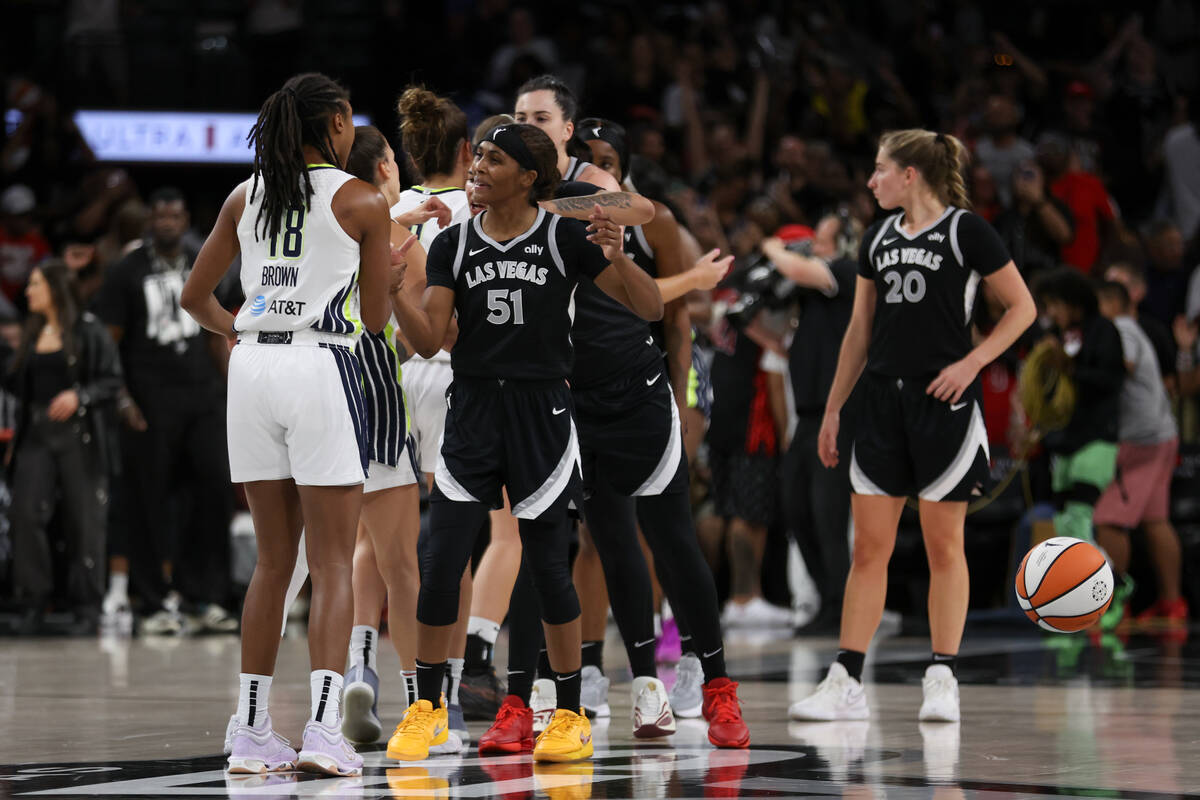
(1164, 614)
(512, 732)
(721, 708)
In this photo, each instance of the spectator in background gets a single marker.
(1036, 225)
(1181, 157)
(1146, 456)
(1087, 446)
(984, 197)
(173, 505)
(22, 244)
(1168, 276)
(1079, 126)
(1084, 195)
(816, 500)
(1133, 278)
(66, 374)
(1001, 150)
(744, 447)
(523, 43)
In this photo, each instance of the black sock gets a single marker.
(713, 664)
(593, 654)
(687, 645)
(521, 684)
(947, 660)
(568, 684)
(544, 670)
(641, 658)
(478, 656)
(429, 681)
(852, 660)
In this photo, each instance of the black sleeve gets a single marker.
(865, 268)
(845, 275)
(101, 379)
(981, 247)
(1100, 366)
(112, 301)
(439, 264)
(577, 252)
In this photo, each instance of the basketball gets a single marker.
(1064, 584)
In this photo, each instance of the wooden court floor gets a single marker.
(1042, 717)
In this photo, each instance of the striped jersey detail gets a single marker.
(387, 421)
(352, 384)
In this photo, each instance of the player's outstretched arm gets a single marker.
(852, 358)
(623, 280)
(623, 208)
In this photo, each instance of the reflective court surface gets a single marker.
(1042, 716)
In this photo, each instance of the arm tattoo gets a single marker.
(603, 199)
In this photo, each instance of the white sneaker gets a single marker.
(593, 692)
(840, 744)
(229, 729)
(543, 700)
(452, 745)
(652, 715)
(687, 695)
(758, 613)
(837, 697)
(216, 619)
(941, 695)
(734, 615)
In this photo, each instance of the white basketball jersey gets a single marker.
(307, 275)
(456, 200)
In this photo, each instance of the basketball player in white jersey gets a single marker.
(314, 244)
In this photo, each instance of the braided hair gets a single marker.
(295, 116)
(939, 157)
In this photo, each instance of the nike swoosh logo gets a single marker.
(643, 644)
(713, 653)
(885, 241)
(650, 340)
(959, 406)
(654, 380)
(557, 411)
(480, 250)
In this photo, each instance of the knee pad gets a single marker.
(545, 554)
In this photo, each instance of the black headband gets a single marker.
(508, 139)
(607, 134)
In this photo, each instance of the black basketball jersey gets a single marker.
(575, 168)
(515, 299)
(925, 285)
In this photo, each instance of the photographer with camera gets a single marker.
(816, 500)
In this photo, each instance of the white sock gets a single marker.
(667, 613)
(453, 678)
(118, 584)
(485, 629)
(657, 625)
(253, 693)
(326, 688)
(364, 641)
(410, 685)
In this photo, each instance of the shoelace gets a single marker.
(506, 713)
(940, 685)
(725, 704)
(417, 718)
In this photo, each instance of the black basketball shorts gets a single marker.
(630, 435)
(512, 433)
(909, 443)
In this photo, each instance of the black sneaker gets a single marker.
(480, 693)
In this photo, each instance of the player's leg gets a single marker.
(360, 716)
(942, 525)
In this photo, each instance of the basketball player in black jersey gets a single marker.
(921, 431)
(547, 103)
(510, 274)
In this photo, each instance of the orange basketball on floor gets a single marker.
(1064, 584)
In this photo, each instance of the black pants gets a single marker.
(55, 467)
(816, 507)
(173, 501)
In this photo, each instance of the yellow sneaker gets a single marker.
(568, 737)
(423, 727)
(564, 781)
